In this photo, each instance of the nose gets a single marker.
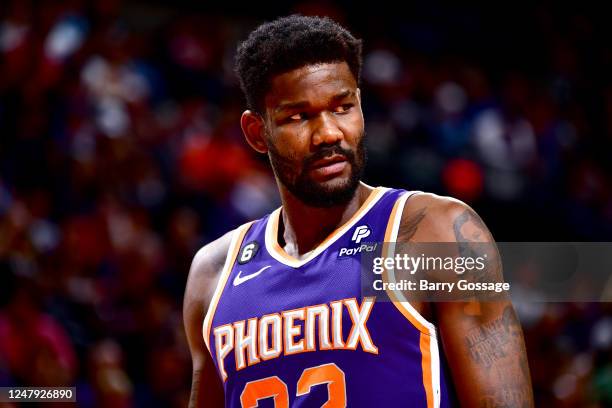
(327, 131)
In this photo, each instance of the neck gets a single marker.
(302, 227)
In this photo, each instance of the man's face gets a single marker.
(315, 133)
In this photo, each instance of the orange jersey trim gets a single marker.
(232, 253)
(279, 253)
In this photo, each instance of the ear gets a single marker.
(254, 130)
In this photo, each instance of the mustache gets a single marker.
(325, 152)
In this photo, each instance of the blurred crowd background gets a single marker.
(121, 154)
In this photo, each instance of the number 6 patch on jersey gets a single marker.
(248, 252)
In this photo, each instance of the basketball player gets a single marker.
(273, 310)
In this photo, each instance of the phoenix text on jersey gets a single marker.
(264, 338)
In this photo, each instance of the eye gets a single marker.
(343, 108)
(298, 116)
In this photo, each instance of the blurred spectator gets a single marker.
(36, 349)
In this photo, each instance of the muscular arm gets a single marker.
(206, 388)
(482, 340)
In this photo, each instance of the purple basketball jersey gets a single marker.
(297, 333)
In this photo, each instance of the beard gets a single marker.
(313, 193)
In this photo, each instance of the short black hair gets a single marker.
(289, 43)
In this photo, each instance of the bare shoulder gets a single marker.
(205, 270)
(429, 217)
(204, 274)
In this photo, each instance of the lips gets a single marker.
(329, 166)
(328, 161)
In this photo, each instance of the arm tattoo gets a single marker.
(469, 223)
(409, 228)
(195, 387)
(474, 240)
(494, 347)
(471, 219)
(498, 348)
(489, 343)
